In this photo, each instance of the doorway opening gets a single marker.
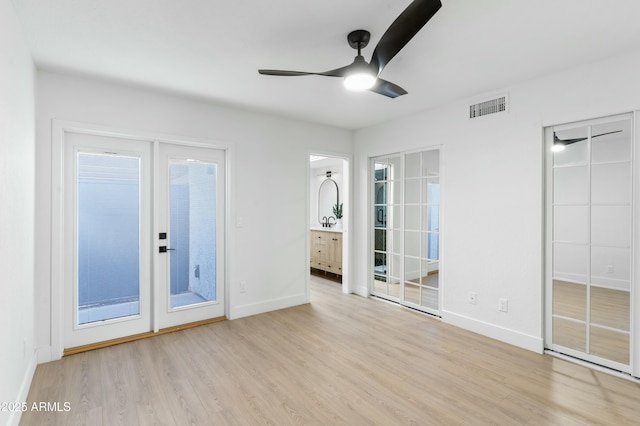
(329, 213)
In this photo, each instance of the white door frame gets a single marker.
(346, 220)
(58, 197)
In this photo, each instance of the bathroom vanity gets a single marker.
(326, 251)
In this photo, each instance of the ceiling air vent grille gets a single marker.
(492, 106)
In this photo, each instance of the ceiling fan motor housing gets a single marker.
(359, 39)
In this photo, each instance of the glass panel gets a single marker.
(429, 298)
(431, 245)
(394, 267)
(412, 243)
(611, 266)
(412, 217)
(395, 170)
(394, 220)
(613, 146)
(611, 225)
(609, 344)
(381, 240)
(380, 263)
(412, 270)
(431, 163)
(395, 245)
(412, 165)
(570, 224)
(380, 216)
(570, 300)
(610, 308)
(431, 191)
(412, 293)
(571, 185)
(570, 334)
(570, 261)
(192, 196)
(380, 171)
(395, 193)
(380, 193)
(576, 153)
(412, 196)
(108, 237)
(611, 183)
(433, 278)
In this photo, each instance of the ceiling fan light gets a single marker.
(359, 82)
(558, 146)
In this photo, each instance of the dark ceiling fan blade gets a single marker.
(338, 72)
(402, 30)
(387, 89)
(556, 139)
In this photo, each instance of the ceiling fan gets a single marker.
(561, 144)
(360, 75)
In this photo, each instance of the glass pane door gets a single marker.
(107, 233)
(591, 207)
(190, 234)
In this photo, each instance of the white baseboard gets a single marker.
(23, 392)
(361, 291)
(512, 337)
(241, 311)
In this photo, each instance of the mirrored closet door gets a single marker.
(406, 229)
(589, 240)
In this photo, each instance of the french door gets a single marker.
(143, 236)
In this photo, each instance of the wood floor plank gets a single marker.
(341, 360)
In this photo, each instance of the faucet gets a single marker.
(326, 221)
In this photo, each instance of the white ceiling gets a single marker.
(212, 49)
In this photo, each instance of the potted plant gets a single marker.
(337, 211)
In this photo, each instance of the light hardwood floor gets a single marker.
(341, 360)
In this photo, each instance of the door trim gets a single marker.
(59, 129)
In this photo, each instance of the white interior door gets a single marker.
(189, 234)
(107, 238)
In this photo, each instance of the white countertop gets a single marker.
(332, 229)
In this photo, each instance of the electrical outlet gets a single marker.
(243, 286)
(609, 269)
(472, 298)
(503, 305)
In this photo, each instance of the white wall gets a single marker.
(269, 170)
(492, 190)
(17, 142)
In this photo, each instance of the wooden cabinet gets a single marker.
(326, 251)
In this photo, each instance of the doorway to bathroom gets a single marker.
(329, 213)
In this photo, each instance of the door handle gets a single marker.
(164, 249)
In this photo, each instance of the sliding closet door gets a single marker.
(406, 229)
(590, 233)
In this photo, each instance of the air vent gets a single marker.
(492, 106)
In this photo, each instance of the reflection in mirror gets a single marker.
(591, 232)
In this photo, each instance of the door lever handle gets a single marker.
(164, 249)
